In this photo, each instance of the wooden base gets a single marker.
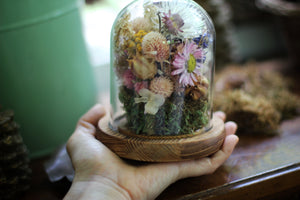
(161, 148)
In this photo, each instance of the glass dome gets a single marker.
(162, 68)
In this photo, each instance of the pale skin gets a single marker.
(101, 174)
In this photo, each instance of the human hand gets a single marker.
(101, 174)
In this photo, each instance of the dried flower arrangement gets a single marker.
(160, 61)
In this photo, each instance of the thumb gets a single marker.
(86, 127)
(89, 120)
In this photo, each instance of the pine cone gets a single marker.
(15, 173)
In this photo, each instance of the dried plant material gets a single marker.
(162, 86)
(257, 99)
(163, 58)
(143, 68)
(155, 46)
(252, 114)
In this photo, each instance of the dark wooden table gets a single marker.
(261, 167)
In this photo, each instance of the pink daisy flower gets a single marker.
(187, 65)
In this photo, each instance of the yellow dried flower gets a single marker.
(139, 47)
(138, 39)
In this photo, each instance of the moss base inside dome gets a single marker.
(179, 115)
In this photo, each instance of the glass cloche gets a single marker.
(162, 68)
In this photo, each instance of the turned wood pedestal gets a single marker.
(162, 148)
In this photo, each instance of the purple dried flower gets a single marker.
(173, 22)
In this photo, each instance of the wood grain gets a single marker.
(160, 148)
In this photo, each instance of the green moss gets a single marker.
(179, 115)
(195, 115)
(134, 112)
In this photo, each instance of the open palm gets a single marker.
(101, 173)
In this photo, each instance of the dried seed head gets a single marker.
(155, 46)
(162, 85)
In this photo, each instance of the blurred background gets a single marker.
(54, 55)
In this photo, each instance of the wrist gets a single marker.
(96, 187)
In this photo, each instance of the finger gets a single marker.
(221, 115)
(230, 128)
(89, 120)
(93, 115)
(85, 129)
(205, 165)
(209, 164)
(168, 173)
(222, 155)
